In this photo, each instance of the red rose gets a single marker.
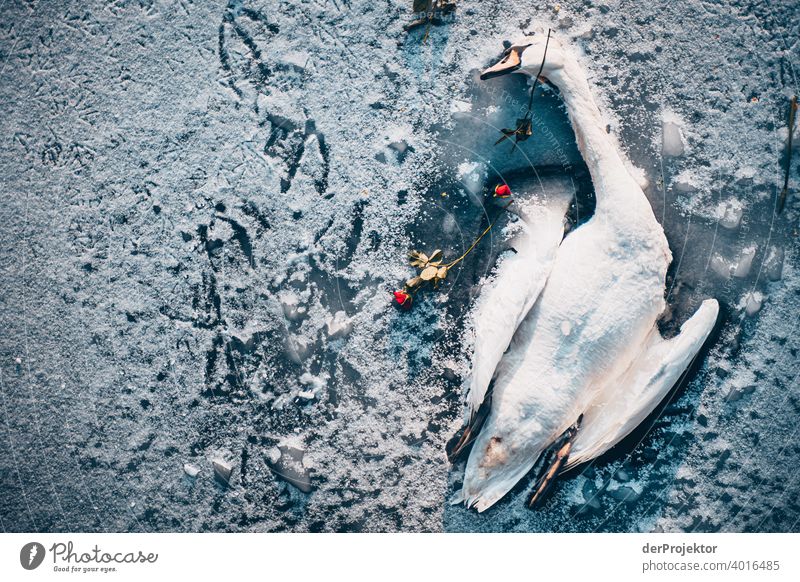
(402, 299)
(502, 191)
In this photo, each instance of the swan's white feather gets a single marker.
(627, 400)
(594, 321)
(516, 284)
(583, 328)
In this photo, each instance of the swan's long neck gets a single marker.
(616, 190)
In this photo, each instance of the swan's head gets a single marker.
(525, 56)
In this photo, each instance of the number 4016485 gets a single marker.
(755, 565)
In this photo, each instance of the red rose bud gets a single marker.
(502, 191)
(402, 299)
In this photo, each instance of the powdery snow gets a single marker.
(189, 202)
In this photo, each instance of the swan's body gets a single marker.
(583, 316)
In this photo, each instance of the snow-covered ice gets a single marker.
(206, 203)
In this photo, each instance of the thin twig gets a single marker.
(541, 68)
(427, 31)
(785, 191)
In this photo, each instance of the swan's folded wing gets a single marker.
(627, 401)
(514, 287)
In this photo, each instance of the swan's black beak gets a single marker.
(511, 61)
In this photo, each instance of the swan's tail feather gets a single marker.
(486, 494)
(458, 445)
(562, 447)
(457, 498)
(649, 379)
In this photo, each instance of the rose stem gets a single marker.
(477, 240)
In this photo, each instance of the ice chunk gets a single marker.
(466, 168)
(687, 181)
(721, 266)
(627, 492)
(624, 493)
(289, 467)
(590, 494)
(314, 385)
(773, 264)
(222, 469)
(313, 163)
(339, 325)
(736, 393)
(296, 349)
(745, 172)
(298, 59)
(471, 176)
(587, 32)
(401, 148)
(745, 261)
(672, 138)
(459, 106)
(752, 303)
(729, 213)
(274, 455)
(191, 470)
(292, 309)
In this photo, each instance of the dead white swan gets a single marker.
(586, 363)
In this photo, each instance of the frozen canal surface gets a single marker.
(205, 207)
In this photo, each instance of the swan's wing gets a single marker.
(516, 284)
(628, 400)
